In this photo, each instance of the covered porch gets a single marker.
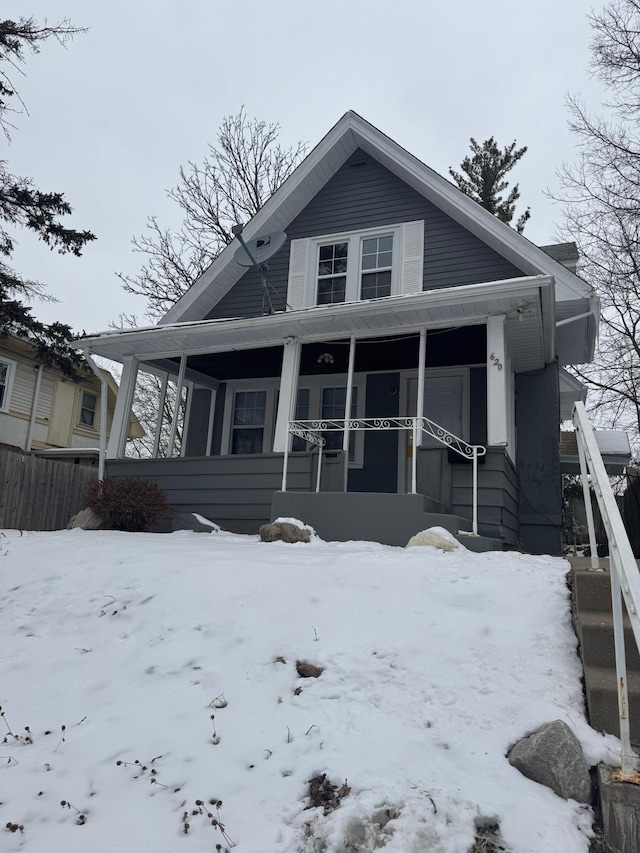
(253, 399)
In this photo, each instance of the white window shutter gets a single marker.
(412, 257)
(296, 290)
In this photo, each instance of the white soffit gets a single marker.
(352, 132)
(528, 304)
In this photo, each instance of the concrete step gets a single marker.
(602, 700)
(478, 544)
(592, 591)
(595, 633)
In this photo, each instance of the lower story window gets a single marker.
(334, 402)
(247, 432)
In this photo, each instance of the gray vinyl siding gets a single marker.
(367, 196)
(233, 491)
(498, 495)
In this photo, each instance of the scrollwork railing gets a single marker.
(312, 431)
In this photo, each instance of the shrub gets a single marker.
(128, 504)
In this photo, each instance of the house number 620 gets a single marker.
(496, 361)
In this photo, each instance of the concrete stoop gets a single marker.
(390, 519)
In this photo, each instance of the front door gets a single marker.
(443, 404)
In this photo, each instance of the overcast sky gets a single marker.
(112, 116)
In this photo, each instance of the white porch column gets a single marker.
(122, 413)
(347, 410)
(176, 406)
(288, 392)
(497, 383)
(422, 362)
(160, 418)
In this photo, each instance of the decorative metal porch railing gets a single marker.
(312, 432)
(623, 570)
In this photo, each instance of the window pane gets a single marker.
(326, 253)
(331, 290)
(341, 250)
(384, 259)
(333, 408)
(302, 414)
(325, 268)
(370, 246)
(369, 262)
(247, 441)
(88, 409)
(249, 408)
(3, 381)
(376, 285)
(340, 265)
(385, 244)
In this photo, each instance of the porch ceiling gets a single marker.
(528, 304)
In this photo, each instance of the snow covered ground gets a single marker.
(118, 649)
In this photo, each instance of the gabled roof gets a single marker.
(350, 133)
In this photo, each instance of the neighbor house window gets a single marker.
(7, 371)
(88, 409)
(332, 273)
(376, 267)
(247, 432)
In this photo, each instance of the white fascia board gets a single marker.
(322, 322)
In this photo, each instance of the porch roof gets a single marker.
(528, 304)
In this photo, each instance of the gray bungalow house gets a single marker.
(411, 360)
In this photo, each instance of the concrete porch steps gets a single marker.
(391, 519)
(594, 626)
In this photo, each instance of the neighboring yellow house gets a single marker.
(41, 409)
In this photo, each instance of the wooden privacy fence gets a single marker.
(40, 494)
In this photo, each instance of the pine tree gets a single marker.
(23, 205)
(484, 179)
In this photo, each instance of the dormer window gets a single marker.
(356, 265)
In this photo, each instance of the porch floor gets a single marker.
(390, 519)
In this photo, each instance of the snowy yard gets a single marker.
(117, 648)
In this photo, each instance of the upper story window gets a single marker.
(356, 265)
(376, 267)
(332, 273)
(7, 372)
(87, 417)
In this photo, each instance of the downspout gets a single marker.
(34, 408)
(104, 390)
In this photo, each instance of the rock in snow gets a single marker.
(552, 756)
(193, 521)
(88, 519)
(437, 537)
(282, 531)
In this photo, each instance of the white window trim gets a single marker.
(354, 239)
(8, 388)
(406, 269)
(315, 384)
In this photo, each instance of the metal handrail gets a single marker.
(623, 570)
(311, 431)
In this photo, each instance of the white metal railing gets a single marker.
(312, 432)
(623, 570)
